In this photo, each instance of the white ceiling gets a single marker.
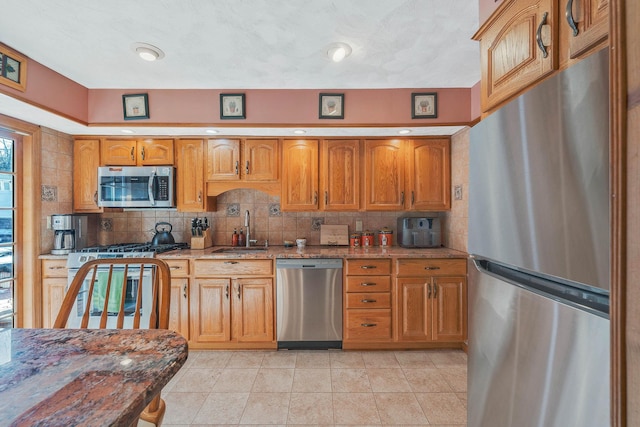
(247, 44)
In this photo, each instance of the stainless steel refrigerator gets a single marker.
(539, 269)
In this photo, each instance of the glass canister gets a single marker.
(367, 238)
(385, 237)
(354, 240)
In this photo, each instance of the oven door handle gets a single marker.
(151, 180)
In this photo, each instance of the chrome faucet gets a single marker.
(246, 224)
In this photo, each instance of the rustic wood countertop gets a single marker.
(84, 377)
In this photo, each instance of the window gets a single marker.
(7, 235)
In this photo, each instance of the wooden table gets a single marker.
(92, 377)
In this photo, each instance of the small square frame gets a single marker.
(331, 106)
(424, 105)
(232, 106)
(135, 106)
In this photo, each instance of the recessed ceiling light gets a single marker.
(212, 131)
(126, 131)
(404, 131)
(338, 51)
(299, 132)
(147, 52)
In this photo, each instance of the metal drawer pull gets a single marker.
(230, 262)
(570, 20)
(368, 325)
(57, 268)
(428, 291)
(246, 167)
(368, 300)
(435, 290)
(367, 284)
(132, 153)
(366, 267)
(184, 290)
(237, 167)
(541, 45)
(175, 267)
(226, 291)
(432, 268)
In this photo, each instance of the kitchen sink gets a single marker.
(238, 250)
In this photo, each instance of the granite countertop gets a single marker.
(317, 252)
(84, 376)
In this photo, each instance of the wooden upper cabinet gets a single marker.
(190, 190)
(429, 175)
(133, 152)
(340, 180)
(249, 160)
(518, 47)
(299, 175)
(86, 159)
(586, 23)
(384, 175)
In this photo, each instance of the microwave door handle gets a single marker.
(151, 179)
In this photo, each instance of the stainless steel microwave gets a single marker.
(136, 187)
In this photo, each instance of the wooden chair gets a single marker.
(108, 288)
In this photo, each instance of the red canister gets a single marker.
(354, 240)
(367, 238)
(385, 237)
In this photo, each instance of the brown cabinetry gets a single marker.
(586, 25)
(300, 175)
(86, 159)
(340, 176)
(136, 152)
(384, 175)
(431, 300)
(191, 194)
(367, 301)
(54, 284)
(179, 308)
(248, 160)
(429, 175)
(232, 302)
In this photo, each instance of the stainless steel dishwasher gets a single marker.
(309, 303)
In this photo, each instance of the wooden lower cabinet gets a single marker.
(232, 310)
(54, 285)
(179, 308)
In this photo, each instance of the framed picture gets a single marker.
(136, 106)
(232, 106)
(424, 105)
(332, 105)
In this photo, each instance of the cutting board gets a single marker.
(334, 235)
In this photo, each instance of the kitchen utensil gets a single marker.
(163, 237)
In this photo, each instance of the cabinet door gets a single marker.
(118, 152)
(153, 152)
(384, 175)
(510, 56)
(190, 191)
(340, 166)
(210, 310)
(587, 22)
(430, 175)
(300, 175)
(86, 159)
(223, 160)
(450, 309)
(261, 159)
(413, 297)
(53, 291)
(253, 309)
(179, 312)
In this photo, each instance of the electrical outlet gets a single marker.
(48, 222)
(358, 225)
(457, 191)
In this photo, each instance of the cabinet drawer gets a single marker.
(368, 283)
(368, 325)
(369, 300)
(431, 267)
(54, 268)
(368, 266)
(233, 267)
(178, 267)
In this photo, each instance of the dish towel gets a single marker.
(115, 293)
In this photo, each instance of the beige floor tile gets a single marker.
(313, 359)
(167, 388)
(212, 359)
(380, 359)
(182, 407)
(414, 359)
(245, 359)
(428, 380)
(355, 408)
(235, 380)
(442, 408)
(388, 380)
(346, 360)
(456, 376)
(312, 380)
(399, 409)
(266, 408)
(310, 408)
(222, 408)
(197, 380)
(280, 359)
(350, 381)
(442, 358)
(273, 381)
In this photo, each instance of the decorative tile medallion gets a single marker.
(274, 209)
(316, 223)
(233, 209)
(49, 193)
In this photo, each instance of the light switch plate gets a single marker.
(457, 192)
(358, 225)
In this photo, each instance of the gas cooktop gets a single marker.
(136, 247)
